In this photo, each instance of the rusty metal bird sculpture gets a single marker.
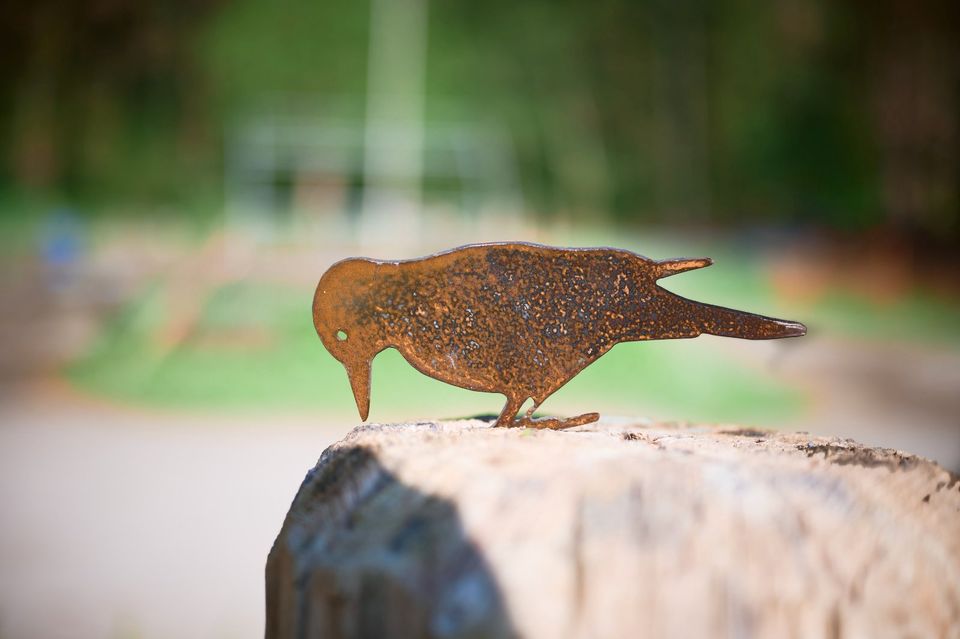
(513, 318)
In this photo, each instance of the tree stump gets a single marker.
(616, 529)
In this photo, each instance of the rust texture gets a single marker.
(512, 318)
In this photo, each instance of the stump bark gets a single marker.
(615, 529)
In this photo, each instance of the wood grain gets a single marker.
(622, 528)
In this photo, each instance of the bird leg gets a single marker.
(509, 412)
(508, 418)
(554, 423)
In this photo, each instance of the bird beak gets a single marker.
(359, 374)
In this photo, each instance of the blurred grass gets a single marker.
(275, 362)
(918, 317)
(254, 349)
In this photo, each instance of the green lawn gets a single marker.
(255, 350)
(284, 367)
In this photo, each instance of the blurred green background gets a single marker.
(794, 113)
(184, 171)
(812, 145)
(175, 177)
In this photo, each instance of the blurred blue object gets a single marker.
(61, 249)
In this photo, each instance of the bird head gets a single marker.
(347, 328)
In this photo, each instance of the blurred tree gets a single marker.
(834, 114)
(292, 50)
(104, 95)
(734, 110)
(913, 103)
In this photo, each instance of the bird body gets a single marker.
(512, 318)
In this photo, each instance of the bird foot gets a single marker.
(554, 423)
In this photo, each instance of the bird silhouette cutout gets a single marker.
(512, 318)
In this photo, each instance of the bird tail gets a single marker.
(666, 268)
(680, 317)
(727, 322)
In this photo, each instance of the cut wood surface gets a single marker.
(623, 528)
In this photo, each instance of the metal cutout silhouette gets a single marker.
(512, 318)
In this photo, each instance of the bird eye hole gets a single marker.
(341, 335)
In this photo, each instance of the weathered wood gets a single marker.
(617, 529)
